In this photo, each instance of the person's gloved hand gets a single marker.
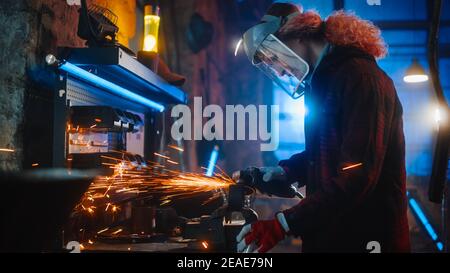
(273, 174)
(268, 180)
(261, 236)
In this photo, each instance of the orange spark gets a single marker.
(205, 244)
(352, 166)
(103, 230)
(164, 202)
(160, 155)
(176, 148)
(129, 182)
(117, 231)
(6, 150)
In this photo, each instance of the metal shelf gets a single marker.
(115, 65)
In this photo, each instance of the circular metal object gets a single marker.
(50, 59)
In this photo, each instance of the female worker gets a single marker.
(353, 165)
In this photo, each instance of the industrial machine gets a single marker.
(106, 105)
(98, 132)
(106, 101)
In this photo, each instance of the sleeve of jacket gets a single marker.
(366, 114)
(295, 168)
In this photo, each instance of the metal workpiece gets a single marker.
(219, 229)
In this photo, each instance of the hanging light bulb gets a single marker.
(415, 73)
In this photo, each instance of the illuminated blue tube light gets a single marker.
(212, 161)
(114, 88)
(423, 219)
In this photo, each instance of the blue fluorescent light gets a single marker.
(212, 161)
(114, 88)
(415, 206)
(423, 218)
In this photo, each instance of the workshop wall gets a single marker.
(12, 82)
(34, 29)
(215, 73)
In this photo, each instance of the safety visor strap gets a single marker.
(268, 20)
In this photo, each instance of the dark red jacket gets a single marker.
(354, 162)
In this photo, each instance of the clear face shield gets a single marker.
(274, 58)
(281, 65)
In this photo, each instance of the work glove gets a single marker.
(262, 236)
(268, 180)
(273, 174)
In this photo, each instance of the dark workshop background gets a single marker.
(37, 27)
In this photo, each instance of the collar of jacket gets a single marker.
(325, 51)
(337, 56)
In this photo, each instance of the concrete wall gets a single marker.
(30, 29)
(15, 48)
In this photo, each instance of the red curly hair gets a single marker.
(340, 28)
